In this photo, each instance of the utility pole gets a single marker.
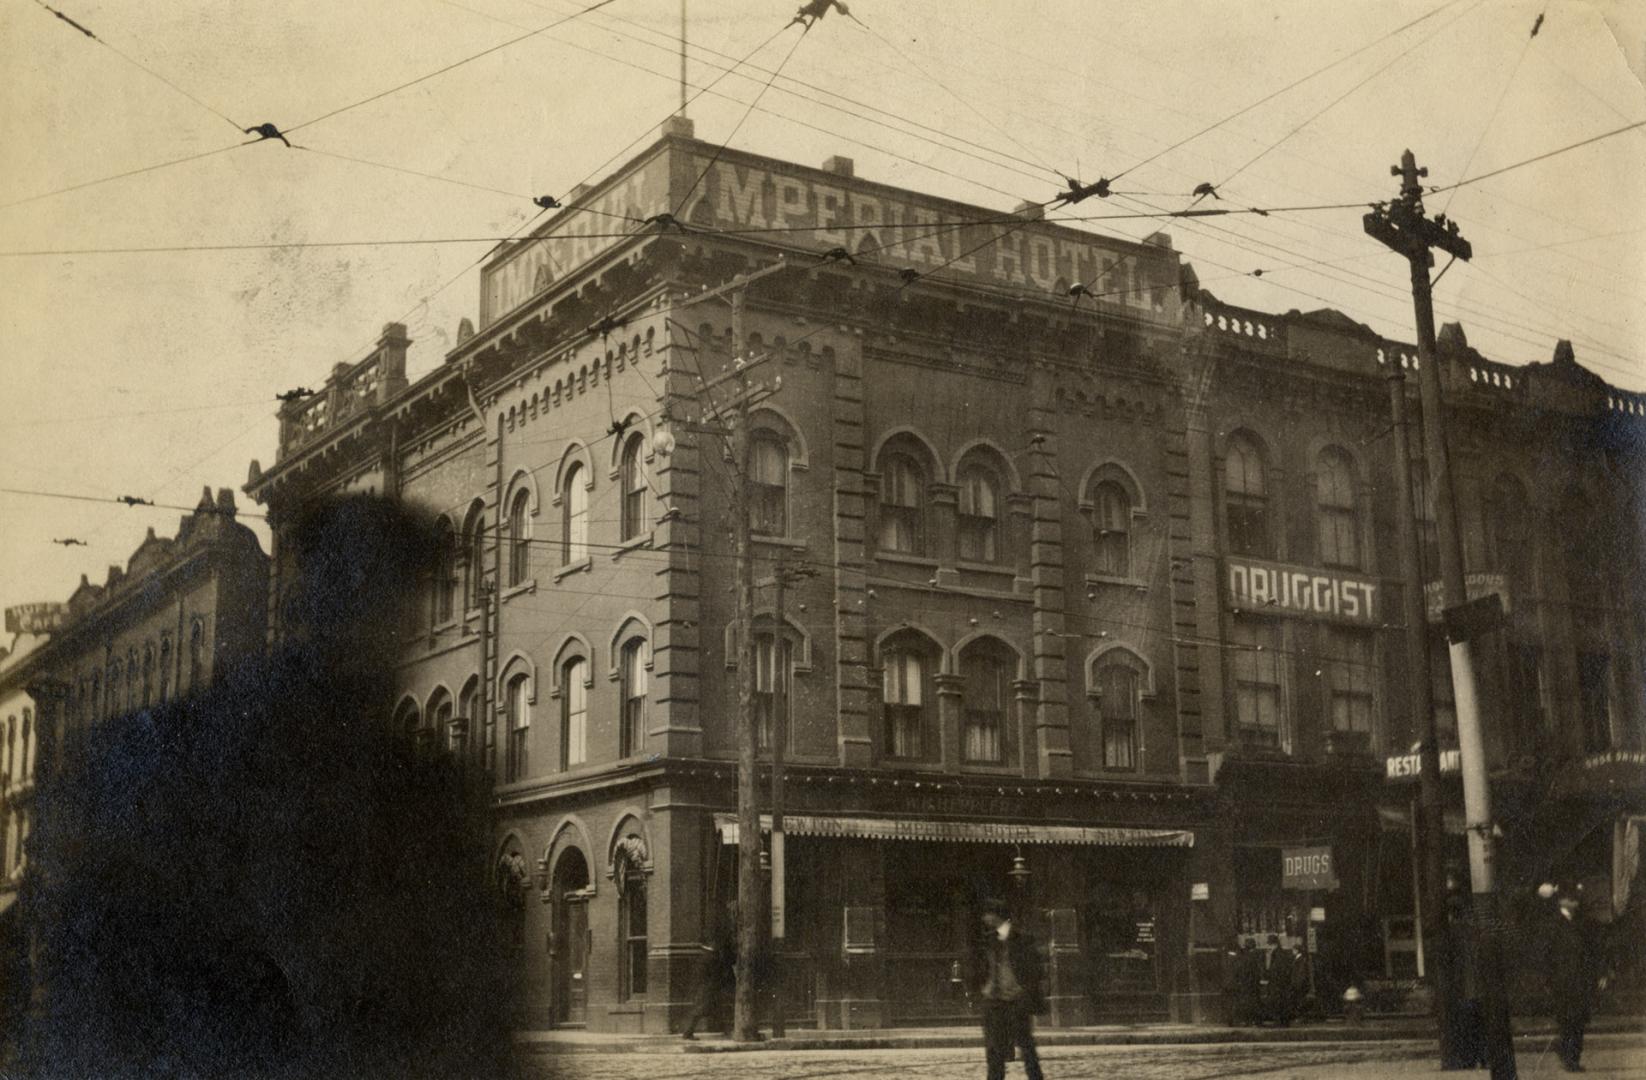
(1402, 226)
(781, 574)
(1431, 915)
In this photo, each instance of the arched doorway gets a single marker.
(569, 946)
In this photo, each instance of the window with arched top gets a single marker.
(574, 712)
(96, 699)
(132, 679)
(986, 672)
(148, 675)
(474, 556)
(1246, 500)
(28, 744)
(979, 514)
(1119, 695)
(1337, 510)
(908, 665)
(520, 543)
(407, 719)
(902, 505)
(1111, 529)
(444, 581)
(518, 712)
(768, 484)
(197, 654)
(574, 522)
(165, 668)
(468, 708)
(111, 699)
(633, 487)
(437, 722)
(632, 663)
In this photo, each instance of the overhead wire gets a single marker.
(1491, 117)
(1546, 155)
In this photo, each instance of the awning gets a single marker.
(1399, 819)
(986, 832)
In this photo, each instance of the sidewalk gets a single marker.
(1393, 1029)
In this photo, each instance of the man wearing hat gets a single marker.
(1573, 973)
(1007, 971)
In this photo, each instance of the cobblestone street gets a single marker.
(1607, 1056)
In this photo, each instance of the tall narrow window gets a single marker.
(1589, 559)
(632, 479)
(474, 562)
(197, 654)
(1594, 687)
(1246, 501)
(1350, 666)
(903, 697)
(771, 687)
(979, 515)
(96, 696)
(408, 720)
(468, 706)
(445, 575)
(132, 679)
(1509, 535)
(768, 484)
(1337, 516)
(112, 698)
(436, 733)
(488, 741)
(1428, 532)
(520, 543)
(574, 527)
(1259, 707)
(1112, 529)
(902, 505)
(985, 692)
(574, 713)
(520, 722)
(1117, 701)
(148, 675)
(632, 664)
(632, 920)
(27, 753)
(165, 668)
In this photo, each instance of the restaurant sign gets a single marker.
(1307, 868)
(1410, 766)
(1297, 590)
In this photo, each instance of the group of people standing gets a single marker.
(1265, 985)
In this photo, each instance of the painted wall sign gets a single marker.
(41, 618)
(1297, 590)
(1410, 766)
(1307, 868)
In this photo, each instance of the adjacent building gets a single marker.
(1092, 596)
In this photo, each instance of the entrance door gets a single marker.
(569, 960)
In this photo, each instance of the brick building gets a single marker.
(1102, 613)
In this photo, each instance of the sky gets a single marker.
(154, 373)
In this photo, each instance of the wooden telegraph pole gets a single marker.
(1402, 226)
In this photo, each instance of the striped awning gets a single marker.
(986, 832)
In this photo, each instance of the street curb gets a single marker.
(554, 1043)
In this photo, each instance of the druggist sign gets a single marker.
(1307, 868)
(1277, 588)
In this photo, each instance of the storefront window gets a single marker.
(1121, 938)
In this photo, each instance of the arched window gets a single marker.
(468, 707)
(520, 542)
(1118, 697)
(907, 667)
(407, 719)
(633, 661)
(520, 723)
(445, 575)
(1337, 515)
(574, 530)
(902, 505)
(632, 943)
(632, 479)
(165, 668)
(768, 484)
(1111, 529)
(986, 670)
(773, 665)
(1246, 500)
(979, 514)
(474, 559)
(574, 713)
(148, 675)
(197, 654)
(436, 732)
(1509, 534)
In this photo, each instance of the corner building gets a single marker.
(1006, 672)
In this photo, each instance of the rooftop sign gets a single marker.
(41, 618)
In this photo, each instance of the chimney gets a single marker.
(392, 348)
(840, 166)
(1564, 354)
(679, 127)
(1032, 211)
(225, 502)
(1451, 340)
(1159, 240)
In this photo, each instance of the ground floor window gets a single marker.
(632, 923)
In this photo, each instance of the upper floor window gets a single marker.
(1118, 696)
(132, 677)
(112, 698)
(474, 557)
(445, 574)
(1594, 686)
(520, 723)
(11, 738)
(768, 484)
(979, 514)
(1351, 663)
(632, 480)
(148, 675)
(197, 654)
(1112, 529)
(1589, 560)
(902, 505)
(1428, 531)
(907, 667)
(986, 670)
(574, 713)
(165, 668)
(1337, 515)
(1246, 500)
(633, 662)
(468, 705)
(1260, 714)
(574, 528)
(96, 699)
(27, 751)
(772, 668)
(520, 543)
(1509, 534)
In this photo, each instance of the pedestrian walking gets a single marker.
(1274, 983)
(1007, 970)
(719, 981)
(1248, 984)
(1573, 967)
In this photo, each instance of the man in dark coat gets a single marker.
(1007, 972)
(1248, 980)
(1573, 974)
(719, 980)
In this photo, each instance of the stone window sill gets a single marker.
(644, 540)
(527, 586)
(585, 563)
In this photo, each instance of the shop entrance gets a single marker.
(934, 905)
(1122, 926)
(568, 958)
